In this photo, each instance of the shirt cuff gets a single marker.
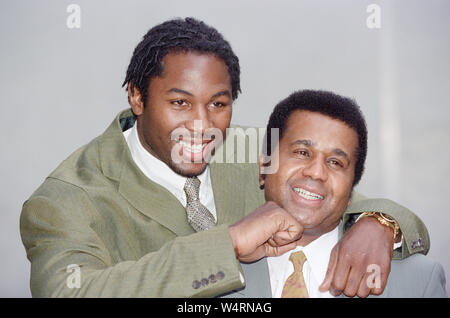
(399, 244)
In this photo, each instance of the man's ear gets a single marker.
(262, 176)
(135, 100)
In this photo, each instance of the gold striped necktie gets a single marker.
(295, 284)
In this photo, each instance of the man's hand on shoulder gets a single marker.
(267, 231)
(361, 261)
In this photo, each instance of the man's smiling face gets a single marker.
(316, 157)
(193, 94)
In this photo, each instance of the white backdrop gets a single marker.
(61, 87)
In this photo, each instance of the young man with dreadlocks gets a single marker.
(122, 218)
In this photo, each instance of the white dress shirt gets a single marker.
(160, 173)
(314, 269)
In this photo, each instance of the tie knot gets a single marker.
(192, 188)
(298, 259)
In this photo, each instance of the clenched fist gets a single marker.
(267, 231)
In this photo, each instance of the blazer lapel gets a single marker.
(153, 200)
(143, 194)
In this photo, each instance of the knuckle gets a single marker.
(346, 257)
(350, 290)
(349, 293)
(377, 291)
(272, 204)
(337, 286)
(335, 292)
(363, 294)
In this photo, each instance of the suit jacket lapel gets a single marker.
(153, 200)
(143, 194)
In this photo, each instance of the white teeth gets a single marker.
(194, 148)
(308, 195)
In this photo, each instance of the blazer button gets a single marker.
(212, 278)
(220, 275)
(196, 284)
(205, 281)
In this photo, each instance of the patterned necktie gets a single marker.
(198, 215)
(295, 284)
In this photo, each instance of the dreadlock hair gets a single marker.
(326, 103)
(178, 35)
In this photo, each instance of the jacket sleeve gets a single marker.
(69, 259)
(414, 231)
(436, 285)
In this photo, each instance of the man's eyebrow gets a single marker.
(225, 92)
(341, 153)
(182, 91)
(304, 142)
(178, 90)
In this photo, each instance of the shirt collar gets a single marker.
(318, 253)
(157, 170)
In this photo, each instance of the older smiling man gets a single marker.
(321, 155)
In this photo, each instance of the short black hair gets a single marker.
(326, 103)
(178, 35)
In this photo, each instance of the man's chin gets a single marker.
(307, 217)
(189, 170)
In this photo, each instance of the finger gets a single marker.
(384, 275)
(279, 250)
(272, 242)
(330, 271)
(340, 275)
(283, 238)
(257, 254)
(353, 281)
(364, 287)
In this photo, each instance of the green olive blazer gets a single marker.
(129, 237)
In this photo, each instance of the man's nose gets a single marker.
(316, 169)
(200, 119)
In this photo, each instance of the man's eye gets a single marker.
(218, 104)
(335, 163)
(179, 102)
(302, 153)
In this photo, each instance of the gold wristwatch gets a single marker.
(383, 219)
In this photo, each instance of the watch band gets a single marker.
(383, 219)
